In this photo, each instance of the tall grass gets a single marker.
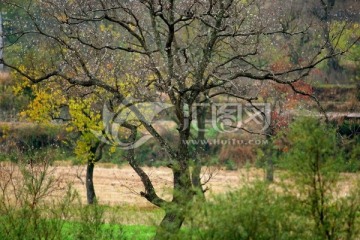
(34, 204)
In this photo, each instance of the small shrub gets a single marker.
(314, 159)
(28, 206)
(253, 212)
(92, 224)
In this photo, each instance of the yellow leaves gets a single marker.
(343, 34)
(22, 83)
(22, 68)
(83, 118)
(62, 18)
(20, 86)
(70, 128)
(109, 28)
(102, 28)
(132, 27)
(45, 105)
(112, 149)
(152, 77)
(5, 132)
(83, 147)
(39, 108)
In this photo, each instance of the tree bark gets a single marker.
(269, 169)
(200, 152)
(170, 225)
(1, 42)
(90, 190)
(196, 179)
(175, 211)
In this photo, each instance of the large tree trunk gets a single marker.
(183, 191)
(90, 190)
(200, 152)
(175, 211)
(171, 224)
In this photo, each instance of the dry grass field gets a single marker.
(117, 186)
(120, 186)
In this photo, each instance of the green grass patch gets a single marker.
(76, 230)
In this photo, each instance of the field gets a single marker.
(119, 187)
(127, 214)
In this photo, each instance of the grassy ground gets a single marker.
(138, 232)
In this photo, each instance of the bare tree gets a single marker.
(192, 51)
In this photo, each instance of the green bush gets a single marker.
(253, 212)
(313, 160)
(349, 131)
(307, 204)
(92, 224)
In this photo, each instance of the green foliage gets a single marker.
(313, 161)
(311, 146)
(253, 212)
(211, 133)
(92, 224)
(349, 131)
(231, 165)
(310, 202)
